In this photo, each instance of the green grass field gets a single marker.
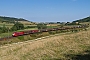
(6, 34)
(6, 25)
(11, 24)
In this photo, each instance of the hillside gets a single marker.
(9, 21)
(74, 46)
(13, 20)
(87, 19)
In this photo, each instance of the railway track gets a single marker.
(6, 38)
(10, 37)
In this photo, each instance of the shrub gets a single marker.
(21, 37)
(52, 32)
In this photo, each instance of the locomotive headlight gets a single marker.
(13, 34)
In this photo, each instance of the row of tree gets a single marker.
(16, 26)
(3, 29)
(20, 26)
(10, 19)
(87, 19)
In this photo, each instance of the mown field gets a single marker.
(74, 46)
(6, 25)
(25, 23)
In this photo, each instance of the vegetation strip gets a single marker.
(8, 45)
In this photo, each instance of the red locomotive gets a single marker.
(15, 34)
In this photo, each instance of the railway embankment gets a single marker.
(9, 40)
(70, 46)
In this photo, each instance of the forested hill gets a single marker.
(87, 19)
(11, 19)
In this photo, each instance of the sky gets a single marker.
(46, 10)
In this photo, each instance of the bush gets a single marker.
(45, 34)
(52, 32)
(33, 35)
(21, 38)
(3, 29)
(41, 26)
(17, 26)
(30, 27)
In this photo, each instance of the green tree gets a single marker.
(4, 29)
(17, 26)
(42, 26)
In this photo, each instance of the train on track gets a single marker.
(15, 34)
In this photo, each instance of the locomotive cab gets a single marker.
(15, 34)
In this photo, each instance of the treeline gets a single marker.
(87, 19)
(3, 29)
(10, 19)
(20, 26)
(16, 26)
(77, 22)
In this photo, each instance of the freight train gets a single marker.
(15, 34)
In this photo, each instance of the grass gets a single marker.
(10, 33)
(29, 29)
(5, 34)
(62, 47)
(53, 24)
(25, 23)
(85, 23)
(6, 24)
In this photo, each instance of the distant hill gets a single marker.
(87, 19)
(13, 20)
